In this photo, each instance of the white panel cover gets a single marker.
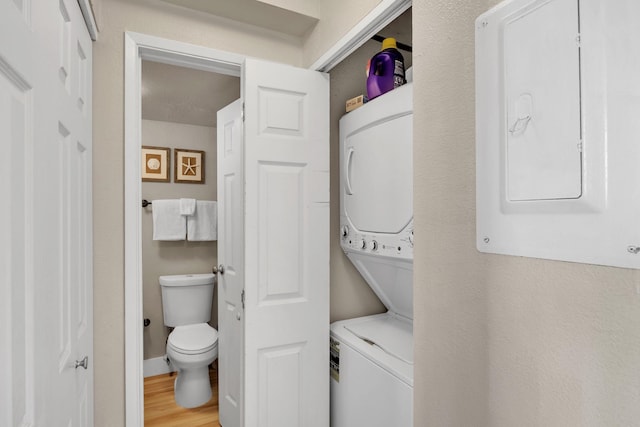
(542, 88)
(543, 216)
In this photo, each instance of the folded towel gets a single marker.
(187, 207)
(168, 224)
(203, 225)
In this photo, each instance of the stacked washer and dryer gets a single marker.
(372, 356)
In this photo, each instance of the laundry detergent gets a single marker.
(385, 70)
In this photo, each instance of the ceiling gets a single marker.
(297, 19)
(184, 95)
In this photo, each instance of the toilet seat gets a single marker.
(193, 339)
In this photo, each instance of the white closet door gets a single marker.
(231, 257)
(45, 218)
(287, 246)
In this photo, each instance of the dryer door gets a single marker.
(378, 175)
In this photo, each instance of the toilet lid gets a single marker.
(196, 338)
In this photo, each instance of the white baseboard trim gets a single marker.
(156, 366)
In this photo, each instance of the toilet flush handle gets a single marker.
(218, 269)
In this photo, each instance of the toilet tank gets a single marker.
(187, 298)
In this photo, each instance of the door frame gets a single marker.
(140, 47)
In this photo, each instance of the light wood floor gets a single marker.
(161, 410)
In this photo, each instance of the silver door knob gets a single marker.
(84, 363)
(218, 269)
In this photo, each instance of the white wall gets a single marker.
(501, 341)
(337, 17)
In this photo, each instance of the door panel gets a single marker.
(46, 287)
(231, 256)
(286, 246)
(16, 286)
(542, 96)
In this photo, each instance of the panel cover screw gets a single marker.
(633, 249)
(486, 240)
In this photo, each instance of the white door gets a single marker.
(45, 215)
(231, 257)
(286, 355)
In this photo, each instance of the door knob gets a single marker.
(218, 269)
(84, 363)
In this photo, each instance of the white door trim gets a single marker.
(141, 46)
(89, 18)
(137, 48)
(374, 21)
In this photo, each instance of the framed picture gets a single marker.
(189, 166)
(156, 163)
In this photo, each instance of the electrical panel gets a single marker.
(558, 130)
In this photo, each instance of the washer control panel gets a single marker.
(390, 245)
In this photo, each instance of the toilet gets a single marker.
(193, 344)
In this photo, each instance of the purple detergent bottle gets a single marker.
(385, 70)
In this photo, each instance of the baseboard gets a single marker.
(156, 366)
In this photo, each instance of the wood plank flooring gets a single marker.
(161, 410)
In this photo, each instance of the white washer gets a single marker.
(372, 356)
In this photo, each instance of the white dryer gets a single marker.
(372, 356)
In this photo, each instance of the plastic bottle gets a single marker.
(385, 70)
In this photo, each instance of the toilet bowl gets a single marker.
(192, 345)
(191, 349)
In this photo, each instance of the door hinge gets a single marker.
(578, 40)
(242, 112)
(242, 298)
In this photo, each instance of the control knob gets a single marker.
(411, 237)
(373, 245)
(362, 244)
(345, 231)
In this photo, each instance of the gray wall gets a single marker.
(163, 258)
(501, 341)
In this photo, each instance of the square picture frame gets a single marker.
(155, 164)
(189, 167)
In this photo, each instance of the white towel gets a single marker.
(168, 224)
(203, 226)
(187, 207)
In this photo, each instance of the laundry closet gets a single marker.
(351, 296)
(372, 189)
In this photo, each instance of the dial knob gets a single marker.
(411, 237)
(373, 245)
(345, 231)
(362, 244)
